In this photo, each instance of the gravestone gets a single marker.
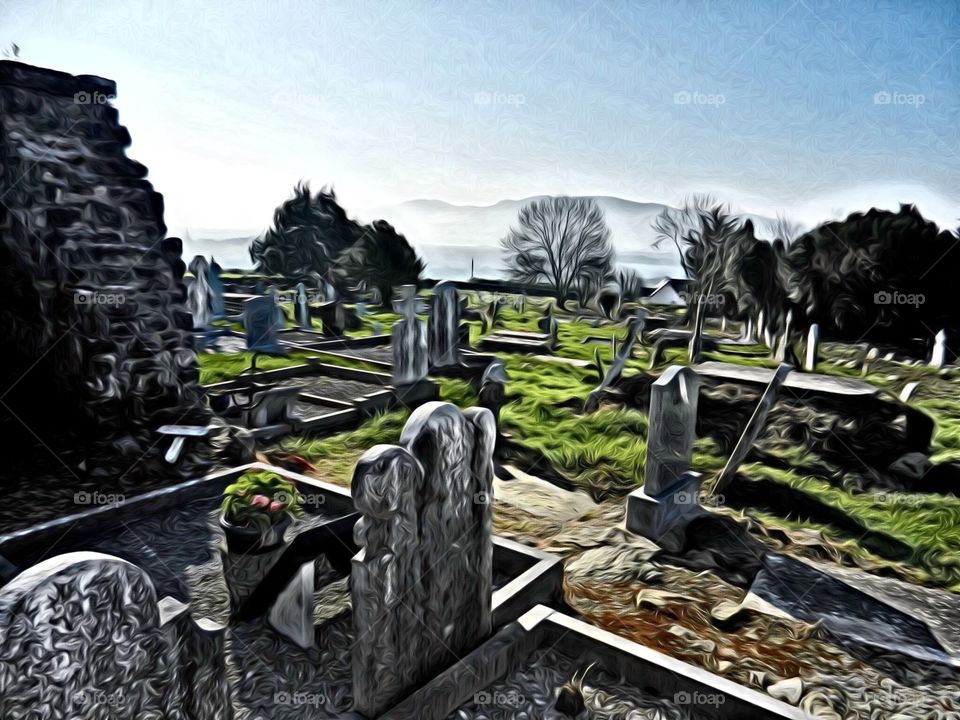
(444, 327)
(302, 305)
(812, 354)
(783, 341)
(668, 500)
(938, 358)
(199, 296)
(260, 324)
(82, 635)
(547, 324)
(421, 586)
(332, 318)
(217, 308)
(409, 339)
(749, 331)
(634, 330)
(696, 337)
(493, 392)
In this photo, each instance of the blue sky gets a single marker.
(809, 107)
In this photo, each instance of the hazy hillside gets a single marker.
(450, 236)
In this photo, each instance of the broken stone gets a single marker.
(789, 690)
(912, 466)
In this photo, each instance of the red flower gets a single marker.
(260, 501)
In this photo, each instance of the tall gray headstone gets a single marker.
(82, 635)
(260, 324)
(783, 340)
(938, 358)
(217, 307)
(444, 327)
(422, 584)
(409, 339)
(199, 297)
(812, 355)
(302, 306)
(668, 500)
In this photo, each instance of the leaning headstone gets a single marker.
(696, 337)
(668, 500)
(444, 335)
(83, 635)
(260, 324)
(409, 339)
(634, 329)
(753, 428)
(199, 298)
(421, 586)
(812, 354)
(302, 305)
(938, 358)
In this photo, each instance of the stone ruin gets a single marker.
(422, 583)
(83, 635)
(96, 338)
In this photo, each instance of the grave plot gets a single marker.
(550, 665)
(515, 341)
(315, 397)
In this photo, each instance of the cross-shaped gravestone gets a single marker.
(409, 338)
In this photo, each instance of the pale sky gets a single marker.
(809, 107)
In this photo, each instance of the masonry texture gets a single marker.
(94, 334)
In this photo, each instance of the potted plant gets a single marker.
(257, 509)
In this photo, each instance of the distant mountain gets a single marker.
(450, 236)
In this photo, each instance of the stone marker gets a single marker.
(291, 614)
(906, 395)
(668, 500)
(302, 307)
(421, 586)
(938, 358)
(634, 330)
(749, 334)
(696, 343)
(199, 299)
(332, 318)
(217, 308)
(812, 354)
(260, 324)
(753, 428)
(783, 341)
(444, 327)
(409, 339)
(83, 635)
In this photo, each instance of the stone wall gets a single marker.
(93, 328)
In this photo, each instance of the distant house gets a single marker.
(669, 292)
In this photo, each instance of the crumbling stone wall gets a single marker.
(95, 348)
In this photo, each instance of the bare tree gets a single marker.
(672, 225)
(562, 242)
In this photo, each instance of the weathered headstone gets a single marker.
(199, 298)
(493, 390)
(783, 341)
(217, 309)
(332, 318)
(409, 339)
(668, 500)
(260, 324)
(83, 635)
(302, 305)
(938, 358)
(547, 324)
(444, 334)
(753, 428)
(749, 331)
(421, 586)
(696, 337)
(812, 354)
(634, 330)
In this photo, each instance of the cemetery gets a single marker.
(285, 498)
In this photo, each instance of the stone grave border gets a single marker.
(353, 410)
(542, 628)
(536, 576)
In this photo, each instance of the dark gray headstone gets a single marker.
(444, 335)
(260, 324)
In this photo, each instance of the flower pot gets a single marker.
(245, 539)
